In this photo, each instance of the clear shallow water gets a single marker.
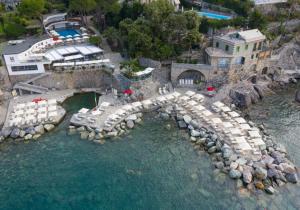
(151, 168)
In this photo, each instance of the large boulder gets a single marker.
(164, 116)
(30, 130)
(270, 190)
(293, 178)
(260, 173)
(297, 96)
(244, 95)
(234, 165)
(195, 124)
(49, 127)
(15, 133)
(6, 132)
(39, 129)
(212, 150)
(36, 136)
(80, 129)
(247, 175)
(195, 133)
(22, 133)
(272, 172)
(28, 136)
(84, 134)
(226, 152)
(287, 168)
(234, 174)
(187, 119)
(91, 136)
(130, 124)
(182, 124)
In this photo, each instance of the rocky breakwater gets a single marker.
(271, 171)
(31, 132)
(100, 135)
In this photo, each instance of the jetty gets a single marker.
(228, 124)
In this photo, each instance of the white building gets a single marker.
(175, 3)
(238, 48)
(35, 56)
(262, 2)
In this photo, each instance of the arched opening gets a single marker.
(190, 78)
(264, 70)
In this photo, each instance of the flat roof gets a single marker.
(243, 36)
(22, 46)
(251, 35)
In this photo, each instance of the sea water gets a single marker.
(153, 167)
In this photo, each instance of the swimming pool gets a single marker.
(214, 16)
(66, 32)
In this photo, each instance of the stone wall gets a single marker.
(74, 79)
(147, 62)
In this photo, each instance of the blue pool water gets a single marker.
(214, 16)
(66, 32)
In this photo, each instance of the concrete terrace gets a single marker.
(59, 96)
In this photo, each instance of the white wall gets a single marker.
(9, 63)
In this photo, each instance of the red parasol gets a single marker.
(36, 100)
(128, 91)
(210, 88)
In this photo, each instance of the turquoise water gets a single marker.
(214, 16)
(151, 168)
(66, 32)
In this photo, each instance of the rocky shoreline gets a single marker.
(31, 132)
(246, 93)
(271, 171)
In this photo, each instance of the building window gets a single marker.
(246, 47)
(238, 48)
(217, 44)
(252, 56)
(12, 59)
(25, 68)
(254, 47)
(259, 46)
(226, 48)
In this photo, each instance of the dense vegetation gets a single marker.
(153, 30)
(27, 17)
(158, 33)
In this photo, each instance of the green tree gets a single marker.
(13, 30)
(257, 20)
(31, 8)
(104, 7)
(193, 20)
(95, 40)
(192, 37)
(83, 7)
(157, 11)
(112, 35)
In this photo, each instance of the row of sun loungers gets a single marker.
(227, 123)
(26, 114)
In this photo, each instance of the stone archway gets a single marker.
(190, 78)
(196, 73)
